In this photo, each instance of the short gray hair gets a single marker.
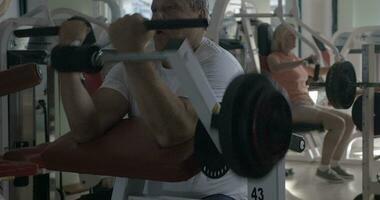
(201, 5)
(279, 36)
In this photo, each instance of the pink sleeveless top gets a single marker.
(293, 80)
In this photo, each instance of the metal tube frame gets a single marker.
(294, 13)
(114, 7)
(359, 34)
(217, 20)
(370, 185)
(279, 13)
(259, 15)
(71, 12)
(221, 6)
(250, 38)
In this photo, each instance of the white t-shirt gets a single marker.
(220, 67)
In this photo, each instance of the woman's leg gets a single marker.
(342, 146)
(349, 128)
(334, 124)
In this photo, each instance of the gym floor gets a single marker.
(304, 185)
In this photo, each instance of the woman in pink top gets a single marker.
(292, 73)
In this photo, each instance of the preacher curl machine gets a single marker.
(249, 131)
(254, 92)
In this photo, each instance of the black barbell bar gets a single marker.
(341, 85)
(356, 84)
(367, 84)
(91, 59)
(149, 24)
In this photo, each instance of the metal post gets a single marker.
(23, 7)
(368, 122)
(217, 20)
(250, 38)
(270, 187)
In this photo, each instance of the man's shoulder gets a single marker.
(211, 53)
(210, 48)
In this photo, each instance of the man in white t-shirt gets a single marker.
(152, 91)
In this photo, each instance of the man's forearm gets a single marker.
(79, 107)
(163, 110)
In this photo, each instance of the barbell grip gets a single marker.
(317, 84)
(37, 32)
(91, 59)
(316, 72)
(176, 24)
(149, 24)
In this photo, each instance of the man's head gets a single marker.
(179, 9)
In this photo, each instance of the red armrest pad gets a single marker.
(128, 150)
(28, 154)
(17, 169)
(93, 82)
(18, 78)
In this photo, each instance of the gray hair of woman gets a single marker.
(280, 35)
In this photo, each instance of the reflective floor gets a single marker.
(306, 186)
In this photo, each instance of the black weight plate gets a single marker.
(229, 119)
(341, 85)
(357, 114)
(213, 162)
(360, 197)
(236, 126)
(272, 130)
(225, 122)
(244, 118)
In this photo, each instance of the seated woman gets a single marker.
(292, 73)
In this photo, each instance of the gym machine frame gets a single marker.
(38, 17)
(216, 24)
(7, 27)
(370, 185)
(370, 50)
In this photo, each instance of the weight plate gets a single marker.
(213, 162)
(341, 85)
(357, 114)
(237, 128)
